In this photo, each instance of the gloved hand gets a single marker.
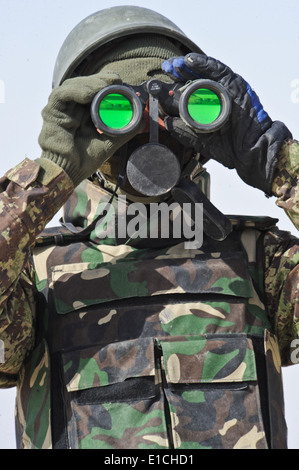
(249, 141)
(68, 136)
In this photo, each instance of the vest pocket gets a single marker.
(212, 393)
(181, 392)
(213, 273)
(114, 397)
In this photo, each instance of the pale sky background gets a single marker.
(259, 39)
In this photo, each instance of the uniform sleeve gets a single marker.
(282, 290)
(282, 256)
(30, 195)
(286, 180)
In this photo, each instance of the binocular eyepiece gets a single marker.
(204, 105)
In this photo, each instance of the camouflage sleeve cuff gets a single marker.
(285, 185)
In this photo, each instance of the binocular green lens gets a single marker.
(204, 106)
(115, 111)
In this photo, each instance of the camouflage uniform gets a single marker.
(123, 345)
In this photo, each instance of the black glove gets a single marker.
(249, 141)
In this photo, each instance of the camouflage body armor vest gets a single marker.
(152, 348)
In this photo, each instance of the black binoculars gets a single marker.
(202, 104)
(153, 169)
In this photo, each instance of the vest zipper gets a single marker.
(160, 364)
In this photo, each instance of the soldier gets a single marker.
(124, 342)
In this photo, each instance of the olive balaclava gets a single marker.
(138, 58)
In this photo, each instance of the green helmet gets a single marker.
(102, 27)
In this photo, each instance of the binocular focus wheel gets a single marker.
(120, 93)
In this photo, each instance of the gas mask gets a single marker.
(153, 169)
